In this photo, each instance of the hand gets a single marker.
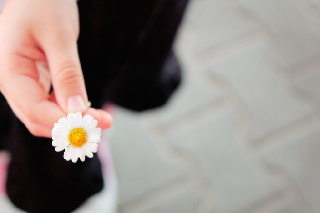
(44, 31)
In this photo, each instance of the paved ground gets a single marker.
(242, 135)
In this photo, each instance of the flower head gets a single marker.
(77, 135)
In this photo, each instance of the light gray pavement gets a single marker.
(242, 134)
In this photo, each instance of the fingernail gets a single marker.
(76, 104)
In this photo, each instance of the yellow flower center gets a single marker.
(77, 137)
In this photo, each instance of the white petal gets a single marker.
(64, 123)
(67, 153)
(55, 127)
(60, 147)
(63, 135)
(59, 132)
(71, 120)
(94, 139)
(86, 120)
(87, 151)
(72, 153)
(78, 118)
(55, 131)
(57, 138)
(95, 131)
(83, 156)
(94, 135)
(79, 151)
(93, 124)
(59, 142)
(74, 158)
(93, 147)
(56, 142)
(67, 159)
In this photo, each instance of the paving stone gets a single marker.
(284, 209)
(265, 96)
(234, 178)
(184, 200)
(140, 164)
(215, 22)
(285, 21)
(314, 2)
(297, 157)
(309, 85)
(287, 206)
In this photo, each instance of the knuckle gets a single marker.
(68, 75)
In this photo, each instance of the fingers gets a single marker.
(104, 119)
(60, 48)
(27, 96)
(66, 74)
(33, 106)
(38, 116)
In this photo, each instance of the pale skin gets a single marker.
(34, 33)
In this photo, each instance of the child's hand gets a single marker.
(42, 30)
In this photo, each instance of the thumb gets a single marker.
(67, 78)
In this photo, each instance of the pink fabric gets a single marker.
(104, 153)
(4, 160)
(106, 160)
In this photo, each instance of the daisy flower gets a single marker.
(77, 135)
